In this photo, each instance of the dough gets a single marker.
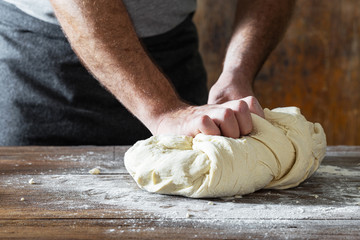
(94, 171)
(281, 152)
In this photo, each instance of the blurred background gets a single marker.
(315, 67)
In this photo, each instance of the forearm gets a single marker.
(102, 35)
(259, 26)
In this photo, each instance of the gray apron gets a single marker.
(48, 98)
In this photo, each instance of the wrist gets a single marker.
(238, 71)
(162, 112)
(237, 80)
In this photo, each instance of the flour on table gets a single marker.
(282, 151)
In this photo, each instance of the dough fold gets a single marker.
(283, 150)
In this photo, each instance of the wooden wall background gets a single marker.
(316, 66)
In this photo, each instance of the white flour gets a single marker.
(112, 192)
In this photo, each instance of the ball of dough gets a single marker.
(282, 151)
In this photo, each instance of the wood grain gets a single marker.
(316, 67)
(68, 202)
(170, 229)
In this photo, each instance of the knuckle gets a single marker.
(252, 101)
(203, 119)
(237, 105)
(228, 112)
(243, 106)
(250, 98)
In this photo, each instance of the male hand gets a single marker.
(230, 119)
(226, 89)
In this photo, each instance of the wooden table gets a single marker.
(68, 202)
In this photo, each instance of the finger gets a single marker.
(242, 114)
(227, 123)
(208, 126)
(243, 117)
(254, 106)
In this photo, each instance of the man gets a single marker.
(133, 48)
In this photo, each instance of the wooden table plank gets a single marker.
(58, 160)
(175, 229)
(66, 196)
(112, 194)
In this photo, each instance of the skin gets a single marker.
(259, 26)
(102, 35)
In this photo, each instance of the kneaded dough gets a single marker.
(281, 152)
